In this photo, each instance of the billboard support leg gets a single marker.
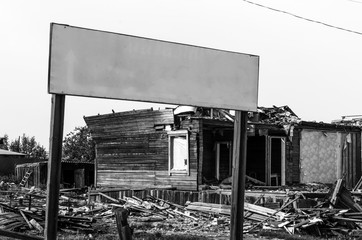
(54, 165)
(239, 172)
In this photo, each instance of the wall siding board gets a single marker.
(200, 153)
(347, 163)
(358, 158)
(352, 174)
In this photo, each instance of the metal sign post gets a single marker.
(54, 165)
(239, 167)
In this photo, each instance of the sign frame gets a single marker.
(92, 63)
(67, 71)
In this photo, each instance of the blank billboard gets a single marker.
(92, 63)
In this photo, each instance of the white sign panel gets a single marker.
(92, 63)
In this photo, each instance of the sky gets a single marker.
(314, 69)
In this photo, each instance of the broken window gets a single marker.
(178, 148)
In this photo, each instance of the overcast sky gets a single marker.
(314, 69)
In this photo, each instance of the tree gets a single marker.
(28, 145)
(4, 142)
(78, 145)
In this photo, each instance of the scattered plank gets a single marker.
(19, 235)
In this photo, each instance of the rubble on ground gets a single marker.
(337, 212)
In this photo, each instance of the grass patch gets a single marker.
(286, 236)
(159, 236)
(135, 236)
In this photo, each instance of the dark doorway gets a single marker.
(223, 163)
(255, 163)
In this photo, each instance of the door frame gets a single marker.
(268, 159)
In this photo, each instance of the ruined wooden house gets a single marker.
(186, 148)
(159, 148)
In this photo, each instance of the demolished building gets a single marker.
(188, 147)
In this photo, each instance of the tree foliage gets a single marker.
(78, 145)
(27, 145)
(4, 142)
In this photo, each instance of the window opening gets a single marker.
(178, 152)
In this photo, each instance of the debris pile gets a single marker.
(338, 213)
(23, 210)
(277, 115)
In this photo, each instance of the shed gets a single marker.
(38, 177)
(73, 174)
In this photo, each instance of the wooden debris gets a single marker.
(358, 185)
(26, 219)
(256, 181)
(19, 235)
(342, 198)
(108, 197)
(336, 213)
(36, 225)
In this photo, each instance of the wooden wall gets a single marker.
(132, 150)
(351, 158)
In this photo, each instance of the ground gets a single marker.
(178, 230)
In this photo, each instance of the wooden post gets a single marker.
(89, 196)
(54, 165)
(239, 167)
(95, 167)
(29, 204)
(124, 230)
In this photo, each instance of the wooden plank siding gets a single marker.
(351, 158)
(132, 151)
